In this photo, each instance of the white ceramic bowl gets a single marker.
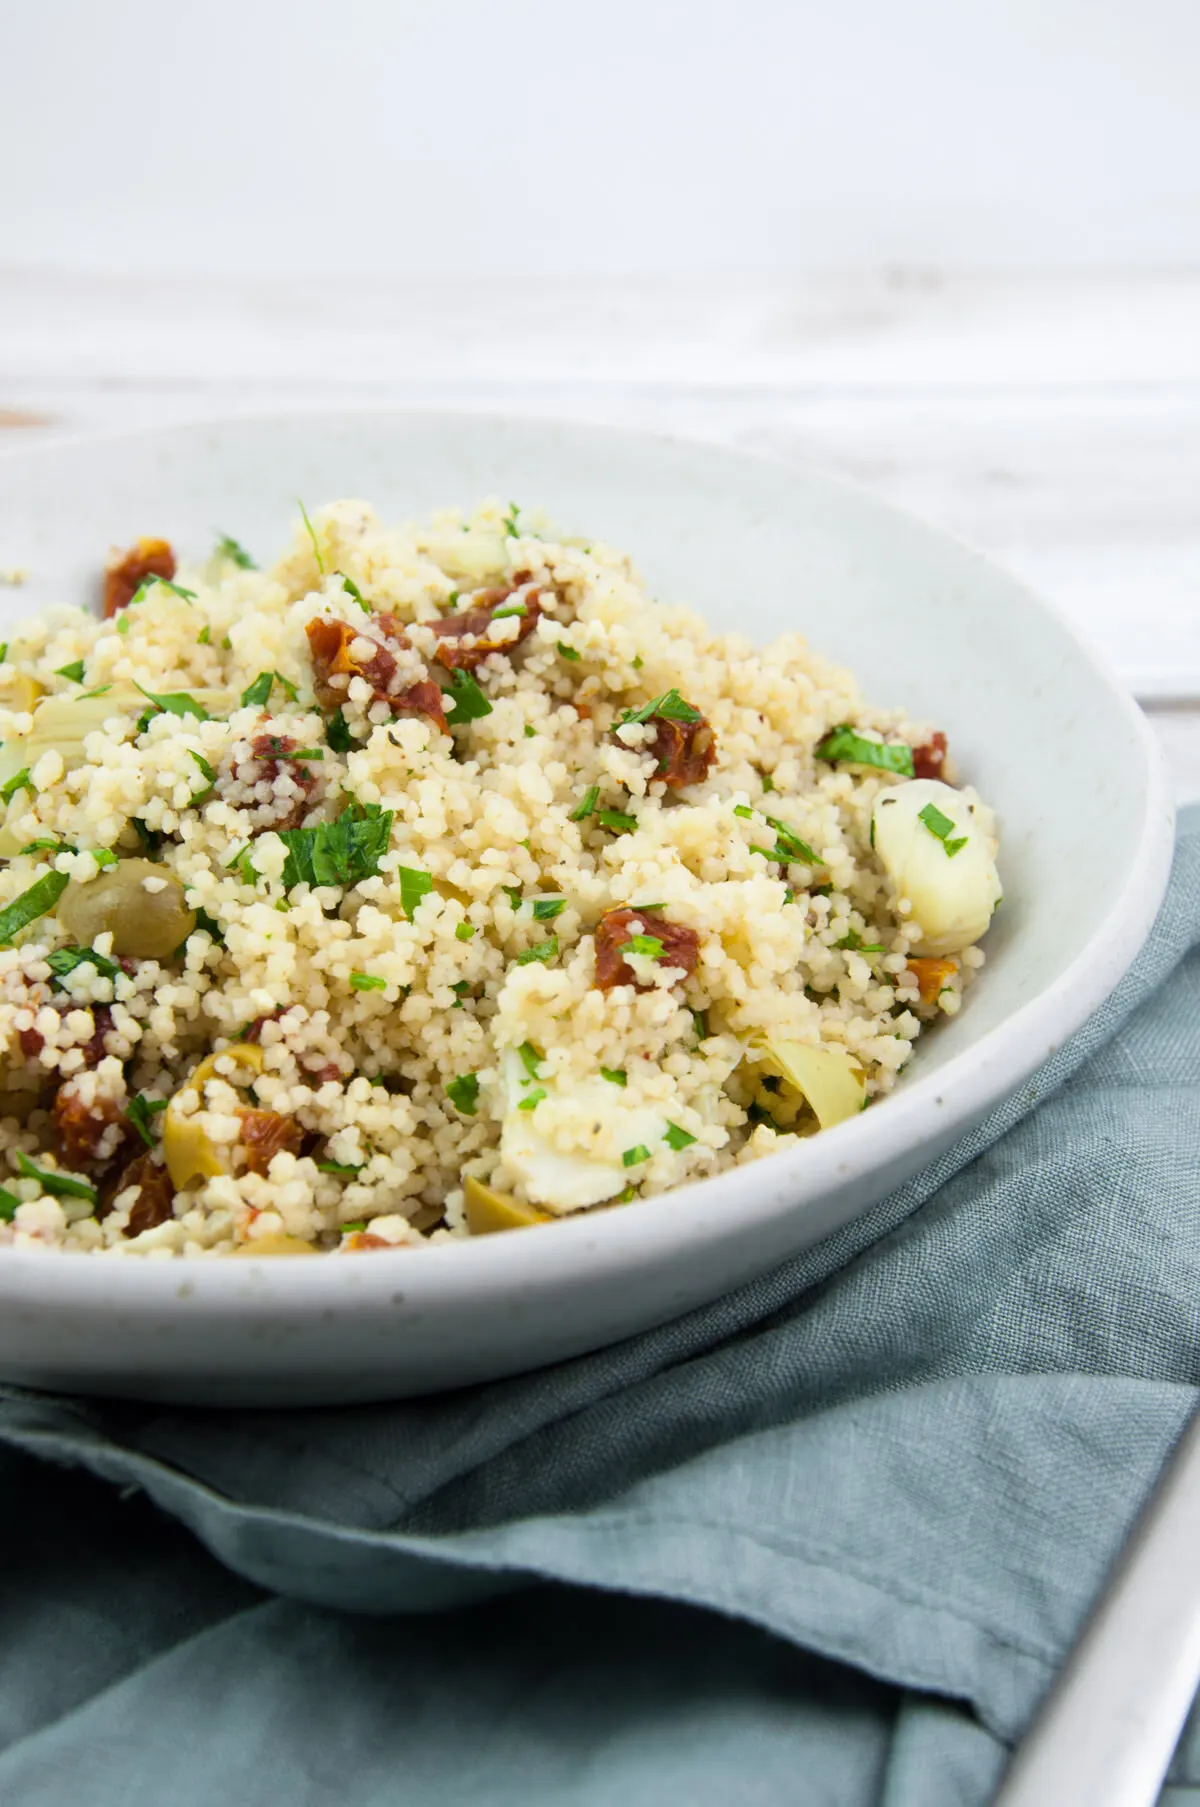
(1032, 717)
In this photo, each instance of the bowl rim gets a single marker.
(981, 1076)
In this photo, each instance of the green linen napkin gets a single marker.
(824, 1541)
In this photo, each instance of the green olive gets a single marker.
(489, 1210)
(144, 924)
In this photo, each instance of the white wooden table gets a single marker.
(1055, 421)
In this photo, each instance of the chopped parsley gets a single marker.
(463, 931)
(311, 531)
(342, 852)
(58, 1185)
(649, 945)
(532, 1099)
(568, 652)
(677, 1138)
(845, 743)
(140, 1110)
(633, 1157)
(64, 960)
(8, 1205)
(353, 591)
(338, 737)
(123, 620)
(941, 826)
(74, 671)
(669, 707)
(367, 982)
(307, 753)
(545, 909)
(260, 691)
(854, 942)
(587, 804)
(149, 837)
(39, 900)
(469, 703)
(788, 845)
(463, 1093)
(510, 608)
(744, 811)
(175, 702)
(414, 885)
(616, 820)
(530, 731)
(228, 547)
(344, 1172)
(210, 926)
(204, 637)
(359, 1224)
(207, 772)
(46, 846)
(531, 1060)
(615, 1075)
(699, 1024)
(20, 781)
(510, 520)
(147, 584)
(545, 950)
(638, 661)
(768, 783)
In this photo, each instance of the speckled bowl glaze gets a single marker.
(1034, 719)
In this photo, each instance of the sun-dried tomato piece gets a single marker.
(930, 975)
(33, 1041)
(684, 751)
(681, 946)
(475, 624)
(264, 1133)
(253, 1033)
(127, 571)
(81, 1130)
(929, 759)
(156, 1195)
(363, 1240)
(422, 698)
(329, 643)
(271, 753)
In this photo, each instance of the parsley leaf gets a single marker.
(338, 853)
(353, 591)
(650, 945)
(259, 692)
(616, 820)
(544, 950)
(74, 671)
(414, 885)
(633, 1157)
(20, 781)
(228, 547)
(64, 960)
(367, 982)
(8, 1205)
(463, 931)
(545, 909)
(677, 1138)
(469, 703)
(343, 1172)
(615, 1075)
(853, 941)
(140, 1110)
(311, 531)
(531, 1060)
(669, 707)
(338, 737)
(47, 846)
(532, 1099)
(941, 826)
(175, 702)
(845, 743)
(147, 584)
(39, 900)
(587, 804)
(57, 1185)
(568, 652)
(463, 1093)
(510, 520)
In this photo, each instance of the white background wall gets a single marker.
(480, 138)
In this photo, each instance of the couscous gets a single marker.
(438, 881)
